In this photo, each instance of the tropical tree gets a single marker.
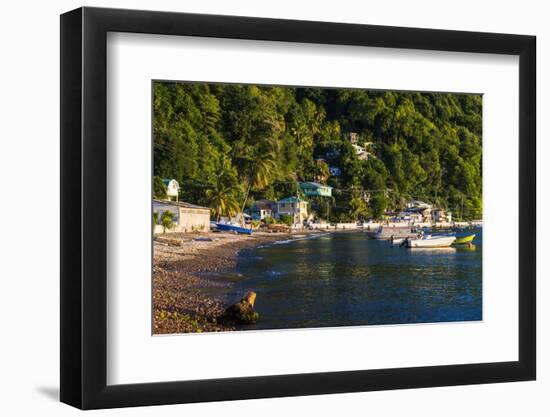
(167, 220)
(262, 172)
(159, 189)
(286, 219)
(358, 207)
(377, 205)
(222, 194)
(322, 170)
(222, 199)
(424, 146)
(155, 220)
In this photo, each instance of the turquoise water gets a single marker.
(343, 279)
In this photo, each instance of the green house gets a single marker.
(314, 189)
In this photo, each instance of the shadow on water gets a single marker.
(344, 279)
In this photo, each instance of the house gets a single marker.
(413, 216)
(335, 171)
(172, 189)
(186, 217)
(262, 209)
(314, 189)
(418, 204)
(353, 137)
(440, 215)
(333, 154)
(361, 151)
(293, 206)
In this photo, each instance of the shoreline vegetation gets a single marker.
(182, 298)
(372, 152)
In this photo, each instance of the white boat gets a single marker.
(429, 241)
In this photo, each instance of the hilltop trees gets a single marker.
(230, 144)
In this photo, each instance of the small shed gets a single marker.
(172, 189)
(262, 209)
(187, 217)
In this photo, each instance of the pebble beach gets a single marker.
(181, 283)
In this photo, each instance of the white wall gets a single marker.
(29, 149)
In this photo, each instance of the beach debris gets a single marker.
(243, 311)
(203, 239)
(278, 228)
(168, 241)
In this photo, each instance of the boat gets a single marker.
(228, 227)
(397, 241)
(430, 241)
(388, 233)
(464, 240)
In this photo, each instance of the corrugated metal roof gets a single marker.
(264, 204)
(314, 185)
(292, 200)
(180, 204)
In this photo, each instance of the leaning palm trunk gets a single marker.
(244, 203)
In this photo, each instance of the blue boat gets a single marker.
(228, 227)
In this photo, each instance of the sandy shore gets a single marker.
(180, 304)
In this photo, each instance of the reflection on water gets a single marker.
(344, 279)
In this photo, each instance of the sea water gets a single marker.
(345, 279)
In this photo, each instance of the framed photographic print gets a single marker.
(256, 208)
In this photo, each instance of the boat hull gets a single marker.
(464, 240)
(223, 227)
(397, 242)
(439, 242)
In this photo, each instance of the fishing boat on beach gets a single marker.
(430, 241)
(464, 240)
(229, 227)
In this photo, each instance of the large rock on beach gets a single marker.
(243, 311)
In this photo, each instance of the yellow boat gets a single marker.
(464, 240)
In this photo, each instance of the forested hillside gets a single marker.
(225, 142)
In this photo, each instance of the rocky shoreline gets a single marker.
(181, 303)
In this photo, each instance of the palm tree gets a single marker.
(262, 170)
(222, 200)
(222, 193)
(167, 220)
(358, 207)
(322, 171)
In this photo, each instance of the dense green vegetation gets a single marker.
(229, 144)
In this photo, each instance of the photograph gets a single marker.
(291, 207)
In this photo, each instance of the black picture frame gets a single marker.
(84, 207)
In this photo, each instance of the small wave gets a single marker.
(300, 237)
(282, 242)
